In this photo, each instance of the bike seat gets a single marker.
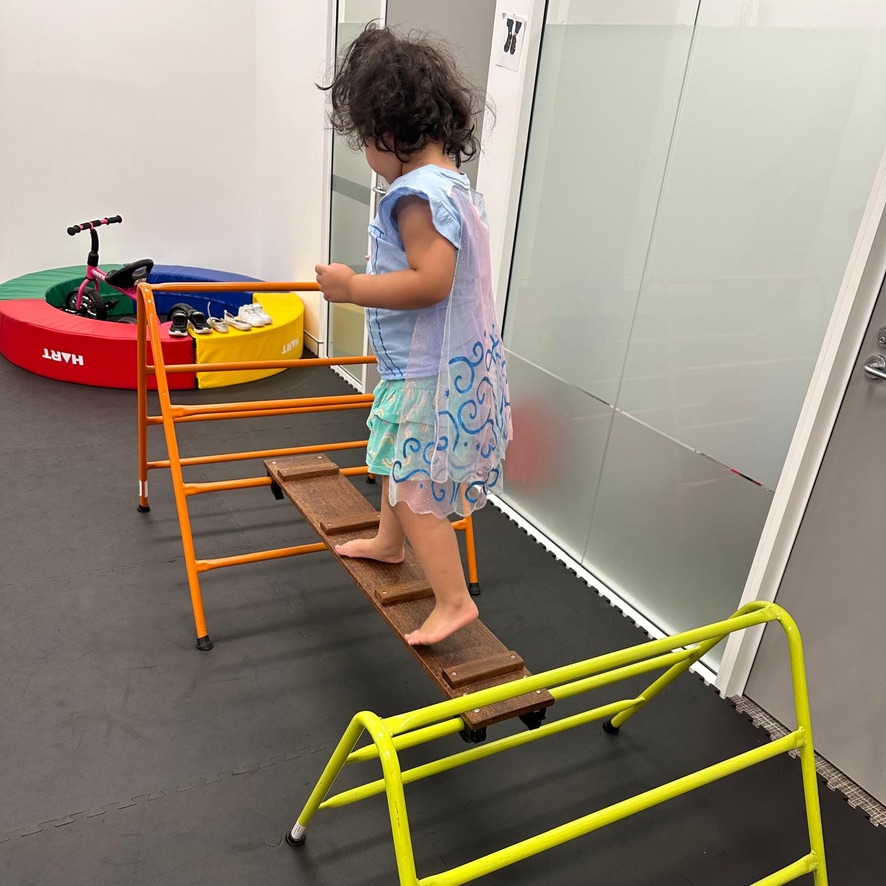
(131, 273)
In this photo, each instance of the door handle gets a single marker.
(875, 367)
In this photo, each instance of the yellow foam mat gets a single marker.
(284, 338)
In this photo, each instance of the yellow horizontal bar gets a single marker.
(479, 752)
(446, 709)
(616, 675)
(616, 812)
(805, 865)
(410, 739)
(567, 690)
(258, 557)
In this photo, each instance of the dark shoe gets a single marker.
(180, 306)
(197, 323)
(179, 325)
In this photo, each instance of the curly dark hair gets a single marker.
(400, 93)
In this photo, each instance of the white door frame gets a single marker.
(849, 321)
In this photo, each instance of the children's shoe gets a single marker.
(236, 322)
(261, 313)
(248, 315)
(179, 327)
(216, 323)
(179, 307)
(197, 323)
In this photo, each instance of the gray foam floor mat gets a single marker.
(128, 757)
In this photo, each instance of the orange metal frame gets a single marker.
(172, 414)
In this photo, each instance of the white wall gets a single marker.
(146, 109)
(199, 123)
(500, 173)
(293, 142)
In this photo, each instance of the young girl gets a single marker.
(440, 421)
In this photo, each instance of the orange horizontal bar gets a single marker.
(252, 482)
(262, 453)
(225, 485)
(245, 286)
(258, 413)
(263, 364)
(259, 405)
(263, 413)
(258, 557)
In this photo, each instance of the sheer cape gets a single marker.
(454, 429)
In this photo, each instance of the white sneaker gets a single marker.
(236, 322)
(247, 314)
(260, 312)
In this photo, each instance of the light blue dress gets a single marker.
(441, 421)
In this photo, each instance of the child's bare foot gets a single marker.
(442, 622)
(370, 549)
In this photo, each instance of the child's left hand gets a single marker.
(333, 280)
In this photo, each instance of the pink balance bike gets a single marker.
(86, 300)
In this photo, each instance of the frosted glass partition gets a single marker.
(673, 533)
(696, 175)
(351, 202)
(604, 111)
(557, 429)
(782, 125)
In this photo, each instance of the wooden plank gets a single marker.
(329, 497)
(467, 672)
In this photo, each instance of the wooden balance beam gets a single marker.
(471, 659)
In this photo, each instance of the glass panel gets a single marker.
(351, 205)
(673, 533)
(608, 87)
(765, 189)
(690, 203)
(553, 463)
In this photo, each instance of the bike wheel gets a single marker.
(92, 305)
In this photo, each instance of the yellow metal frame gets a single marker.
(674, 654)
(172, 414)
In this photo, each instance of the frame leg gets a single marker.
(142, 398)
(296, 834)
(612, 726)
(807, 751)
(467, 524)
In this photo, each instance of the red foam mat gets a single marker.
(52, 343)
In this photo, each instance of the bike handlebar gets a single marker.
(85, 226)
